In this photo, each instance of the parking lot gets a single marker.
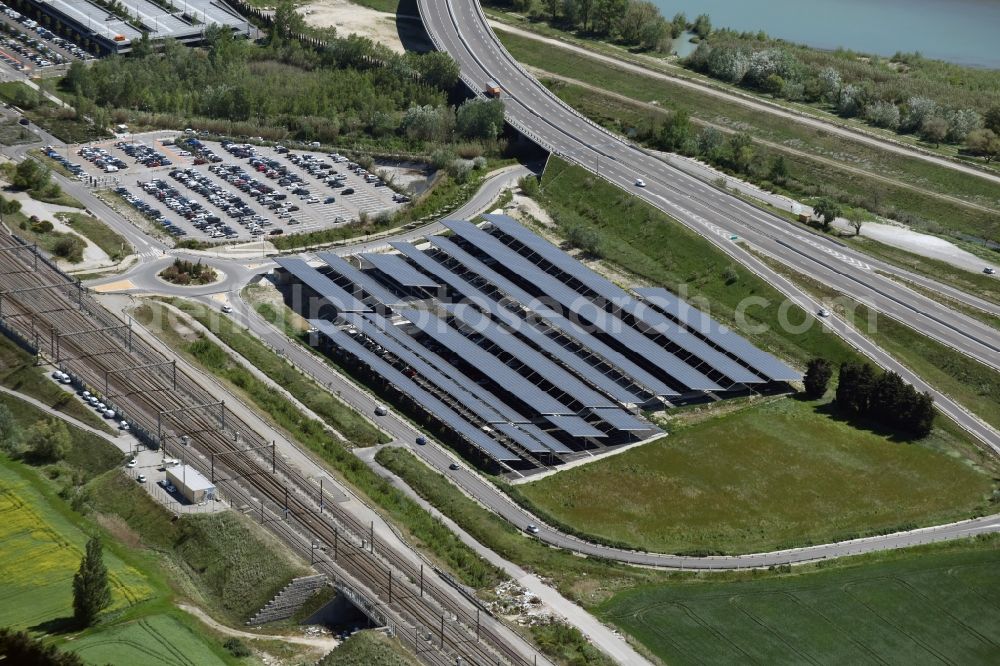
(220, 191)
(26, 46)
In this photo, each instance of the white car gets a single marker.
(131, 463)
(380, 410)
(989, 270)
(531, 529)
(823, 312)
(226, 309)
(639, 182)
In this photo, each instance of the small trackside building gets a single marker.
(191, 483)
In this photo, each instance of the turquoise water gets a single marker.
(961, 31)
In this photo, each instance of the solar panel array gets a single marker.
(540, 358)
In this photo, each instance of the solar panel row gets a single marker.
(757, 358)
(429, 402)
(594, 373)
(360, 279)
(564, 325)
(585, 309)
(716, 333)
(321, 284)
(383, 332)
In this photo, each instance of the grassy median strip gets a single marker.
(111, 243)
(335, 413)
(426, 531)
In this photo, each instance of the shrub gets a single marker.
(70, 248)
(237, 647)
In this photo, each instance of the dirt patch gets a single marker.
(351, 19)
(119, 529)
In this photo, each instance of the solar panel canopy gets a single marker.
(400, 271)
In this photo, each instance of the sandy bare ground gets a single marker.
(351, 19)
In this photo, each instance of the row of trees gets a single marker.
(777, 71)
(864, 392)
(634, 22)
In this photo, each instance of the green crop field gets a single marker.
(924, 606)
(158, 639)
(772, 475)
(41, 552)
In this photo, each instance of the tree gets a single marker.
(606, 12)
(857, 221)
(287, 23)
(991, 120)
(480, 119)
(855, 387)
(779, 170)
(674, 132)
(817, 378)
(8, 429)
(984, 143)
(830, 84)
(18, 647)
(31, 174)
(91, 591)
(918, 110)
(436, 68)
(961, 122)
(741, 151)
(934, 130)
(827, 210)
(882, 114)
(702, 26)
(552, 7)
(678, 24)
(48, 441)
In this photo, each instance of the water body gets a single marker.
(966, 32)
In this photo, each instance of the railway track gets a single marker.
(55, 317)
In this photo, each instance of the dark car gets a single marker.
(24, 121)
(347, 190)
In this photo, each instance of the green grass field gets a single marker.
(774, 475)
(159, 639)
(42, 547)
(921, 606)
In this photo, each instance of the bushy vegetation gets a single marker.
(184, 272)
(938, 101)
(19, 647)
(368, 648)
(349, 90)
(633, 22)
(862, 392)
